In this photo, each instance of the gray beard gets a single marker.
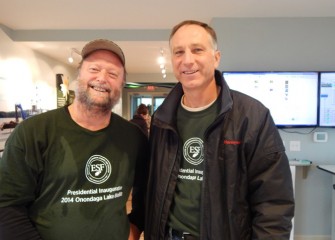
(106, 106)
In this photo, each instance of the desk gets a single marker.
(2, 146)
(294, 163)
(301, 163)
(331, 170)
(4, 134)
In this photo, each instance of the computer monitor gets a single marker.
(291, 97)
(327, 99)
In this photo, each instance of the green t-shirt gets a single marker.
(74, 182)
(185, 211)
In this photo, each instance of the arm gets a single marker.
(136, 215)
(270, 186)
(134, 233)
(15, 224)
(17, 186)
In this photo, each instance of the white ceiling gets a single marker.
(54, 27)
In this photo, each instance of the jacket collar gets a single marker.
(166, 112)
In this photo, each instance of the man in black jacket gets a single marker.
(218, 166)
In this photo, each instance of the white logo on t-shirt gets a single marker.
(193, 151)
(98, 169)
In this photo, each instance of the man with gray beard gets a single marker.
(54, 160)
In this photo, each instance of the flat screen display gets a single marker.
(327, 99)
(291, 97)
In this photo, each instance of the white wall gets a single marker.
(26, 76)
(276, 44)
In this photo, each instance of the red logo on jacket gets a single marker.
(232, 142)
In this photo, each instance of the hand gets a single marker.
(134, 233)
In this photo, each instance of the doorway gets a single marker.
(150, 100)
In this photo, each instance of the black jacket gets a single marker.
(247, 190)
(141, 123)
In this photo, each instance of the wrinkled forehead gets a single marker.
(191, 35)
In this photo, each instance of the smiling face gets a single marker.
(194, 57)
(100, 80)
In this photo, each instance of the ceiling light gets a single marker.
(161, 61)
(70, 58)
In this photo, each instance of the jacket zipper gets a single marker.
(202, 199)
(166, 187)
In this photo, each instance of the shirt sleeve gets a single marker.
(15, 224)
(17, 184)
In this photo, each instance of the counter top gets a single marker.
(300, 162)
(327, 168)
